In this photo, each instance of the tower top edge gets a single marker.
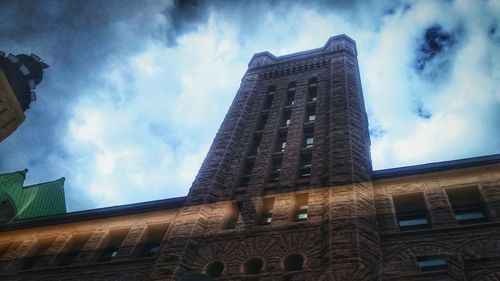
(265, 58)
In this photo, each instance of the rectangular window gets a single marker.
(467, 205)
(411, 211)
(312, 94)
(311, 114)
(234, 214)
(262, 121)
(150, 246)
(113, 242)
(290, 98)
(281, 143)
(269, 101)
(431, 263)
(301, 206)
(245, 180)
(267, 211)
(4, 248)
(286, 118)
(73, 249)
(313, 82)
(308, 138)
(247, 171)
(36, 252)
(274, 176)
(255, 145)
(305, 165)
(269, 97)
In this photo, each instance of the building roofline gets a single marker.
(177, 202)
(311, 51)
(435, 167)
(288, 57)
(62, 180)
(100, 213)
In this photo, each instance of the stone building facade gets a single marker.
(19, 75)
(286, 192)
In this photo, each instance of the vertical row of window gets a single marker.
(282, 138)
(113, 241)
(412, 212)
(305, 166)
(255, 142)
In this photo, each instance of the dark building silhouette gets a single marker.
(286, 192)
(19, 75)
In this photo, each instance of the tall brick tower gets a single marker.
(284, 192)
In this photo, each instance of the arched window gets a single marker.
(253, 266)
(294, 262)
(215, 269)
(7, 211)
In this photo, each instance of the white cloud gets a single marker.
(144, 133)
(457, 106)
(155, 117)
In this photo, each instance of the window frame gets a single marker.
(411, 219)
(460, 210)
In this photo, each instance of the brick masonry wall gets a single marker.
(134, 270)
(472, 251)
(340, 158)
(21, 244)
(336, 240)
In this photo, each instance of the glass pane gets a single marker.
(309, 141)
(413, 222)
(302, 216)
(434, 262)
(469, 215)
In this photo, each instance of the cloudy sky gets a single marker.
(137, 89)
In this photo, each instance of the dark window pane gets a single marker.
(294, 262)
(431, 263)
(215, 269)
(467, 205)
(411, 211)
(253, 266)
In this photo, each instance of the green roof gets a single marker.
(38, 200)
